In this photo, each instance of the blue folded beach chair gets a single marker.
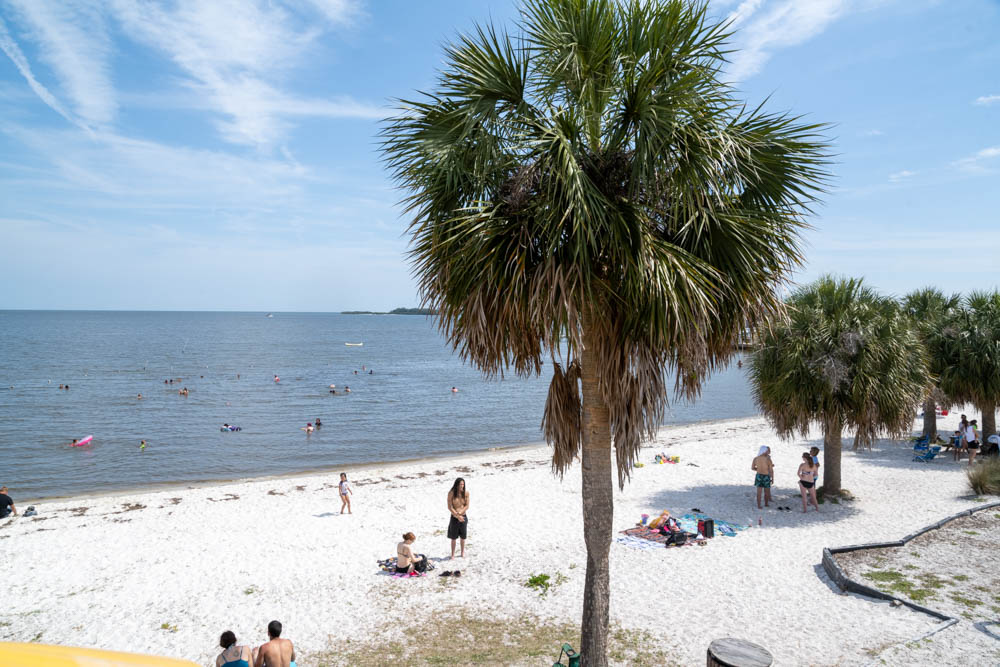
(927, 454)
(921, 443)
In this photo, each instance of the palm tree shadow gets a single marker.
(737, 503)
(896, 454)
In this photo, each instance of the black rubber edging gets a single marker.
(845, 583)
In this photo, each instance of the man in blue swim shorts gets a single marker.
(764, 468)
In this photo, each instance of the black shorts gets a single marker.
(806, 484)
(458, 529)
(974, 444)
(402, 570)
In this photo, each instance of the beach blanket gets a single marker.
(389, 565)
(643, 537)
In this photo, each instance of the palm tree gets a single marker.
(971, 340)
(929, 309)
(842, 356)
(587, 190)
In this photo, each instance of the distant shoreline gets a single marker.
(394, 311)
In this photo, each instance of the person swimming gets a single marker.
(308, 429)
(139, 397)
(277, 379)
(318, 422)
(347, 390)
(142, 445)
(454, 390)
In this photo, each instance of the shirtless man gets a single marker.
(277, 652)
(764, 468)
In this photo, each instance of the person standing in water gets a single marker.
(345, 493)
(142, 445)
(458, 506)
(764, 468)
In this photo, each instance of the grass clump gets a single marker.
(960, 577)
(971, 603)
(447, 638)
(168, 627)
(897, 582)
(985, 477)
(543, 582)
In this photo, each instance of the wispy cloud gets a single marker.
(764, 27)
(901, 176)
(234, 52)
(986, 100)
(72, 39)
(13, 51)
(980, 161)
(872, 133)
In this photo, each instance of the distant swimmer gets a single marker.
(318, 422)
(454, 390)
(67, 387)
(334, 392)
(142, 445)
(739, 364)
(60, 386)
(277, 379)
(333, 386)
(237, 376)
(139, 397)
(355, 372)
(371, 372)
(347, 390)
(362, 369)
(308, 428)
(73, 444)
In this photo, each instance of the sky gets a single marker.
(223, 154)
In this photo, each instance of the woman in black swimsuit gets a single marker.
(807, 481)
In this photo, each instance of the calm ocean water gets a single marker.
(405, 409)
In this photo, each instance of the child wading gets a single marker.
(345, 494)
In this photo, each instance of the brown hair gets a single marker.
(807, 458)
(227, 639)
(454, 489)
(814, 450)
(409, 536)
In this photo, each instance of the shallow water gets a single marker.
(405, 409)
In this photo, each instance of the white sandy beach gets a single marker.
(110, 571)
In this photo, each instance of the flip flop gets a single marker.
(446, 573)
(695, 509)
(456, 573)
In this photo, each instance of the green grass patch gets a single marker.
(971, 532)
(168, 627)
(971, 603)
(447, 638)
(896, 582)
(908, 566)
(960, 577)
(888, 576)
(543, 582)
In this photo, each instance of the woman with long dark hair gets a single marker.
(458, 507)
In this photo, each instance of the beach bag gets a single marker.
(707, 527)
(421, 565)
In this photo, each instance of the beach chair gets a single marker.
(927, 454)
(572, 657)
(923, 442)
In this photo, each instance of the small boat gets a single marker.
(353, 344)
(269, 315)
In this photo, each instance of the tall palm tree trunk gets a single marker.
(930, 417)
(989, 411)
(598, 510)
(831, 457)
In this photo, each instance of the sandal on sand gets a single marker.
(446, 573)
(695, 509)
(456, 573)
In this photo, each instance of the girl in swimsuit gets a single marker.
(807, 481)
(406, 560)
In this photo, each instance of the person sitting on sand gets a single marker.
(233, 655)
(6, 504)
(277, 652)
(406, 561)
(764, 468)
(807, 482)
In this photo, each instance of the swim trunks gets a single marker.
(458, 529)
(763, 481)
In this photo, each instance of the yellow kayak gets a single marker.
(46, 655)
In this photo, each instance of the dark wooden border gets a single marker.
(845, 583)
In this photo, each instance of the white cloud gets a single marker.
(13, 51)
(979, 161)
(72, 39)
(234, 51)
(901, 176)
(764, 27)
(873, 133)
(986, 100)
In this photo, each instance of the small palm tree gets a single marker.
(842, 356)
(929, 310)
(971, 340)
(589, 192)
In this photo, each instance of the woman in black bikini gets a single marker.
(807, 481)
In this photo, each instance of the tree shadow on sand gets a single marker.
(737, 503)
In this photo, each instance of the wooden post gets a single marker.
(732, 652)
